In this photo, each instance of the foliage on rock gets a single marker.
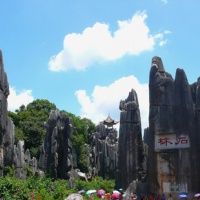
(82, 127)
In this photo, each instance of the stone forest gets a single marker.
(166, 160)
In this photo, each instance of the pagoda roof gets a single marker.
(109, 121)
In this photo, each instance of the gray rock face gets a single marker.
(104, 153)
(19, 161)
(131, 155)
(56, 151)
(4, 121)
(173, 113)
(4, 86)
(9, 143)
(11, 154)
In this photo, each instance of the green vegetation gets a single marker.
(96, 184)
(47, 189)
(82, 127)
(29, 122)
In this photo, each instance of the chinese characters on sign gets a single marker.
(171, 141)
(169, 187)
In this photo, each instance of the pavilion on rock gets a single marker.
(109, 122)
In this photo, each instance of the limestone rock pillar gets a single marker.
(130, 141)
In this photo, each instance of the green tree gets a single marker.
(41, 106)
(29, 123)
(82, 127)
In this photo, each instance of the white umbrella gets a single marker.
(74, 197)
(90, 192)
(115, 191)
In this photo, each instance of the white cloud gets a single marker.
(15, 100)
(160, 36)
(165, 1)
(162, 43)
(105, 100)
(97, 44)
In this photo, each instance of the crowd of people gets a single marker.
(155, 197)
(121, 195)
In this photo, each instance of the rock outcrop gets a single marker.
(4, 120)
(104, 154)
(23, 162)
(173, 131)
(131, 154)
(10, 154)
(56, 151)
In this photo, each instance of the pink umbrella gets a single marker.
(100, 193)
(115, 195)
(197, 195)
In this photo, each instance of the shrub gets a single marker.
(47, 189)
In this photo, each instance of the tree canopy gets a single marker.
(29, 122)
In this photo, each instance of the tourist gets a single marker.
(121, 195)
(135, 196)
(170, 197)
(163, 197)
(141, 197)
(91, 197)
(107, 196)
(159, 197)
(151, 197)
(146, 197)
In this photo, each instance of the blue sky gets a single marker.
(86, 56)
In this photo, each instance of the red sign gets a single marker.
(171, 141)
